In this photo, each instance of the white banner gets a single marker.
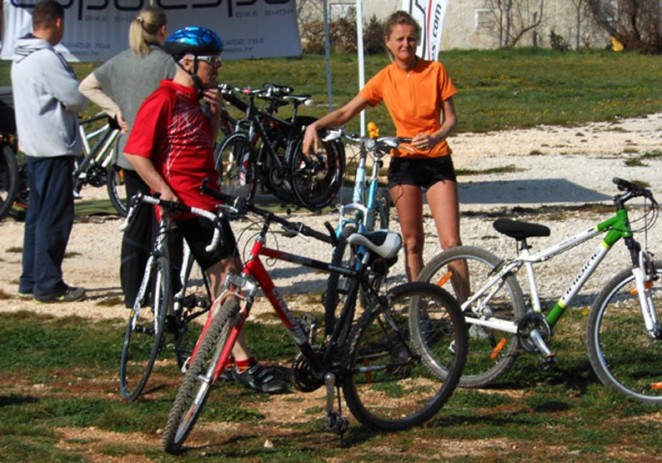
(95, 30)
(430, 16)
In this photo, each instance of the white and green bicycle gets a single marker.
(624, 334)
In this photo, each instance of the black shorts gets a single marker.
(198, 233)
(420, 172)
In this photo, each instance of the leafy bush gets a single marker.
(342, 33)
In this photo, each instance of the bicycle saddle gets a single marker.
(520, 230)
(384, 243)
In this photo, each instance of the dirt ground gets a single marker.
(546, 166)
(550, 166)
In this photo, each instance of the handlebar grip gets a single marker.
(216, 240)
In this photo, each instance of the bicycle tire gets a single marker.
(622, 354)
(388, 385)
(273, 175)
(337, 286)
(9, 179)
(381, 212)
(144, 336)
(195, 388)
(316, 183)
(491, 353)
(116, 190)
(235, 164)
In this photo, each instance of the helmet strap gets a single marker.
(197, 83)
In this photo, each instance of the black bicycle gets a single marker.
(266, 149)
(165, 305)
(386, 367)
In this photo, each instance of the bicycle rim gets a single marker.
(317, 182)
(235, 164)
(116, 190)
(143, 337)
(387, 384)
(198, 380)
(491, 352)
(9, 179)
(621, 352)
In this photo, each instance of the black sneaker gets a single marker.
(226, 374)
(70, 295)
(261, 379)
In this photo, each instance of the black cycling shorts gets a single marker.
(198, 233)
(420, 172)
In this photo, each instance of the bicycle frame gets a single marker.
(364, 195)
(254, 275)
(614, 228)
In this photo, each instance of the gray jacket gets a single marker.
(46, 100)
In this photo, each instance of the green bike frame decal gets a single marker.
(616, 227)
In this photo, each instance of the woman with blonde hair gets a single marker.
(419, 97)
(118, 87)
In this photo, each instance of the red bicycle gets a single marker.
(386, 368)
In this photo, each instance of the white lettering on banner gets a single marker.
(430, 16)
(249, 28)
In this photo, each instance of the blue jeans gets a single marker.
(48, 224)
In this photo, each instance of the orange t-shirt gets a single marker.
(414, 100)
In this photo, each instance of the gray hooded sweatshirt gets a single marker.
(46, 100)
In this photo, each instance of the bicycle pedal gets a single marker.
(336, 423)
(549, 362)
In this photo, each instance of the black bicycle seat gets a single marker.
(520, 230)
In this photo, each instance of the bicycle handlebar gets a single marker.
(173, 207)
(240, 206)
(379, 144)
(631, 190)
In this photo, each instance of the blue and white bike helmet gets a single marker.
(196, 41)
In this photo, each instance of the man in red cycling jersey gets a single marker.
(171, 148)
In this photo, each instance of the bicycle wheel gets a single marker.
(317, 181)
(143, 337)
(235, 164)
(116, 190)
(198, 380)
(387, 384)
(381, 212)
(621, 352)
(338, 285)
(9, 179)
(491, 352)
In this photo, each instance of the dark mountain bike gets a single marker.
(385, 367)
(266, 149)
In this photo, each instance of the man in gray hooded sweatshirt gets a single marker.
(46, 104)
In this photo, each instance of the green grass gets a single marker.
(60, 403)
(497, 89)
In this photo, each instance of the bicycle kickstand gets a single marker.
(335, 422)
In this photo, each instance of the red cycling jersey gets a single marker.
(174, 133)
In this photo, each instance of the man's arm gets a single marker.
(145, 168)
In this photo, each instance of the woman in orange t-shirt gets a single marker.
(419, 97)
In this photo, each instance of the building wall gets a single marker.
(463, 28)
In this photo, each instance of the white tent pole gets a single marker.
(327, 53)
(359, 51)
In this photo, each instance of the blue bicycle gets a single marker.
(368, 210)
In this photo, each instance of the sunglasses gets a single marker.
(212, 60)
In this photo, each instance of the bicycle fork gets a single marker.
(644, 276)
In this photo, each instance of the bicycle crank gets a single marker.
(533, 333)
